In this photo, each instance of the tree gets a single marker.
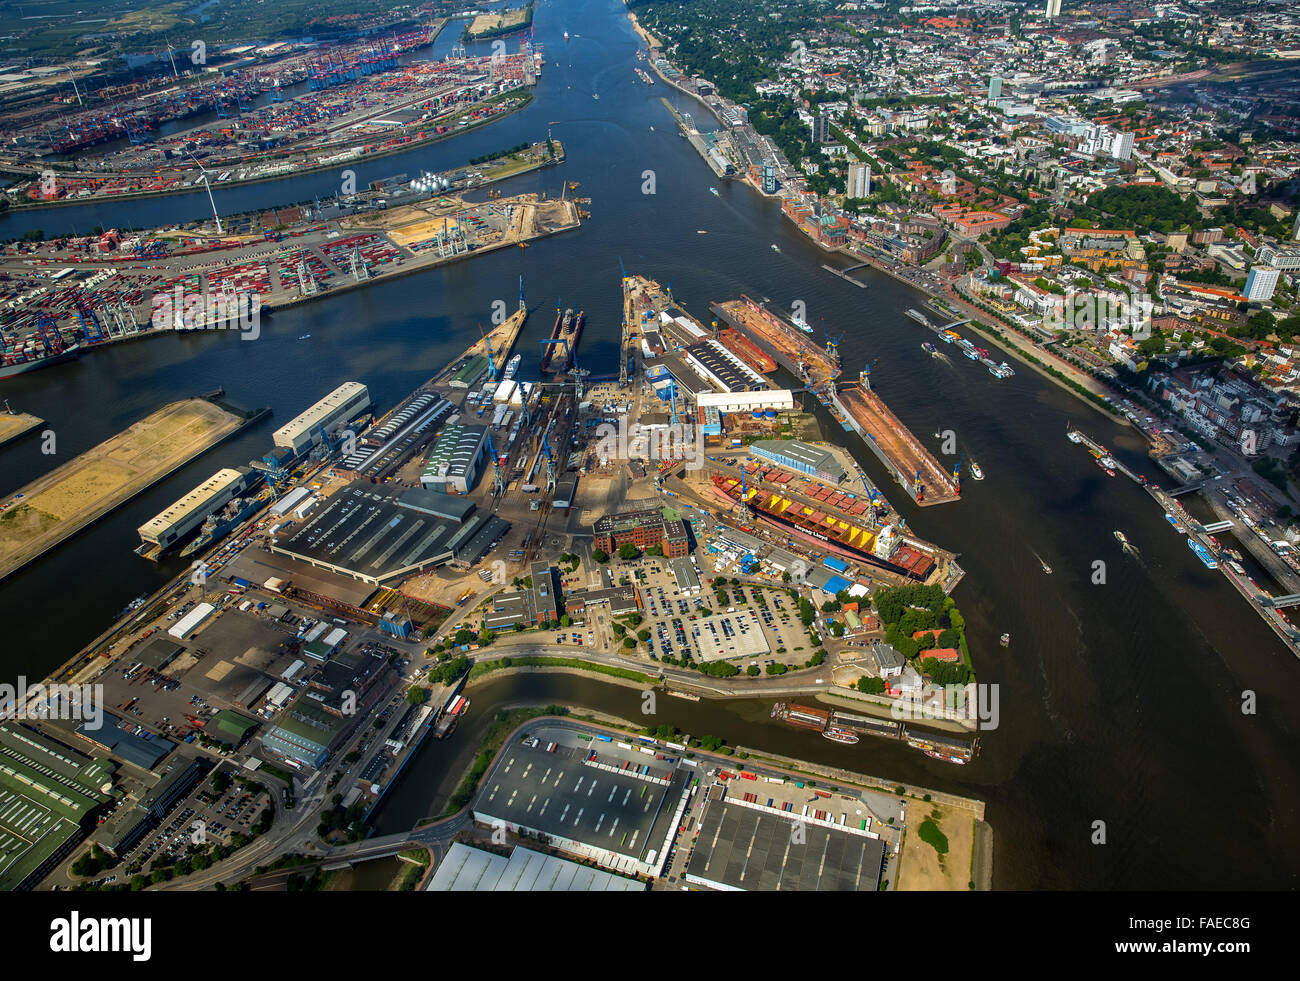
(415, 695)
(629, 642)
(627, 552)
(752, 671)
(599, 555)
(643, 635)
(564, 620)
(871, 686)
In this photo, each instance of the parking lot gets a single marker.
(757, 626)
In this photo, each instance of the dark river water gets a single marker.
(1119, 702)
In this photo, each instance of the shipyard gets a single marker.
(379, 551)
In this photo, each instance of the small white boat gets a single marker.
(774, 247)
(700, 231)
(714, 192)
(975, 471)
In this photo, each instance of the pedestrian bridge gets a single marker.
(1281, 602)
(1216, 527)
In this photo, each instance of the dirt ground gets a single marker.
(923, 868)
(69, 497)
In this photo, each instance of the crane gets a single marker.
(864, 377)
(833, 346)
(492, 366)
(498, 480)
(622, 268)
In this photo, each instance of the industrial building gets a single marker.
(457, 459)
(721, 368)
(529, 607)
(119, 738)
(343, 404)
(688, 581)
(183, 516)
(377, 534)
(49, 795)
(803, 457)
(306, 732)
(408, 430)
(467, 869)
(779, 399)
(468, 374)
(643, 528)
(602, 801)
(745, 845)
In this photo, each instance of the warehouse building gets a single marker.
(457, 458)
(337, 408)
(780, 399)
(377, 534)
(794, 454)
(49, 795)
(743, 845)
(181, 517)
(306, 732)
(642, 528)
(468, 374)
(467, 869)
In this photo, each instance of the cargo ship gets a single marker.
(802, 716)
(1202, 553)
(20, 362)
(568, 328)
(219, 524)
(829, 530)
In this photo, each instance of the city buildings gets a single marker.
(644, 528)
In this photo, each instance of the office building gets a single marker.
(995, 89)
(859, 183)
(1261, 281)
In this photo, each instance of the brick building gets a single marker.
(643, 529)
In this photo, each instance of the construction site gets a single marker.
(67, 499)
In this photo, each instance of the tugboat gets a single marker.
(975, 471)
(1004, 640)
(839, 734)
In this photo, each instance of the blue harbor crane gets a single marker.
(492, 368)
(90, 327)
(498, 479)
(864, 376)
(833, 346)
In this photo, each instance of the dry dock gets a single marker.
(58, 505)
(790, 347)
(13, 425)
(912, 465)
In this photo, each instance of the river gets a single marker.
(1119, 702)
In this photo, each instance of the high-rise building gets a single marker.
(1121, 146)
(995, 89)
(859, 183)
(1261, 281)
(822, 128)
(1295, 229)
(1053, 9)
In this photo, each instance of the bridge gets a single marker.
(1280, 602)
(844, 273)
(1216, 527)
(952, 326)
(1186, 489)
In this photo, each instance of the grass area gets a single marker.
(276, 772)
(486, 667)
(930, 834)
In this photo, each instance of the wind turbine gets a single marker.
(208, 185)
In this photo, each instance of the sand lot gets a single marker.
(923, 868)
(68, 498)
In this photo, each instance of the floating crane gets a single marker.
(864, 376)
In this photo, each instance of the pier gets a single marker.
(1266, 605)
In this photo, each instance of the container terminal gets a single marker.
(63, 302)
(358, 109)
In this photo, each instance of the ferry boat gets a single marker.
(802, 324)
(1107, 464)
(1073, 436)
(928, 348)
(970, 353)
(840, 735)
(919, 317)
(1174, 521)
(1001, 371)
(975, 471)
(1202, 553)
